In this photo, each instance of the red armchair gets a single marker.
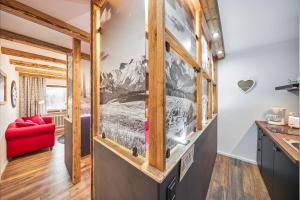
(21, 140)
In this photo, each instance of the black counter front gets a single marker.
(118, 179)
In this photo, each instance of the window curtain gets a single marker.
(32, 96)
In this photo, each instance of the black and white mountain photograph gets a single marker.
(205, 56)
(123, 73)
(204, 100)
(180, 21)
(180, 100)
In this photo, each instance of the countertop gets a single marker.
(277, 138)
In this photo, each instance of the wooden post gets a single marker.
(215, 87)
(156, 64)
(210, 83)
(95, 83)
(76, 123)
(199, 61)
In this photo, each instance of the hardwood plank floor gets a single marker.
(236, 180)
(43, 175)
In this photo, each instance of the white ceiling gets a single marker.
(74, 12)
(254, 23)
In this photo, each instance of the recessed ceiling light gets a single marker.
(216, 35)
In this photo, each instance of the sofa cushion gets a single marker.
(31, 122)
(19, 120)
(38, 120)
(25, 124)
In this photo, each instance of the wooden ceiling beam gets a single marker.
(36, 16)
(36, 65)
(22, 39)
(42, 76)
(39, 72)
(212, 25)
(23, 54)
(14, 37)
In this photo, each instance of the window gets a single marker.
(56, 98)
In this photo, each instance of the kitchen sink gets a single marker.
(293, 143)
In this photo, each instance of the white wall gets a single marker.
(270, 66)
(8, 114)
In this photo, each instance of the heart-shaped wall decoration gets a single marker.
(246, 85)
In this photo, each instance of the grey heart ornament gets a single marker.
(246, 85)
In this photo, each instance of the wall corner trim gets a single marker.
(238, 157)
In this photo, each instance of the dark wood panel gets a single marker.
(277, 138)
(116, 179)
(68, 145)
(259, 153)
(286, 178)
(267, 158)
(85, 135)
(195, 184)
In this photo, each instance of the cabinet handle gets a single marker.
(276, 149)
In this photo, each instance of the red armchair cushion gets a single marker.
(38, 120)
(20, 120)
(25, 124)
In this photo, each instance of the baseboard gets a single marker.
(238, 157)
(3, 168)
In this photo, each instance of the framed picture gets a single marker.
(3, 88)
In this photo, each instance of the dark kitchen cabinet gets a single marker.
(259, 137)
(267, 162)
(279, 173)
(285, 180)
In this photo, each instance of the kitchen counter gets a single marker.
(277, 138)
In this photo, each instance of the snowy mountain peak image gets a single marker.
(180, 100)
(123, 73)
(123, 93)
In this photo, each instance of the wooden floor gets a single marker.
(43, 175)
(236, 180)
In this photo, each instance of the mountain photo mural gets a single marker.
(180, 100)
(123, 73)
(180, 21)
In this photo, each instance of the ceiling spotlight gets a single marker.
(216, 35)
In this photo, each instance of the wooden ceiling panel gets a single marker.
(212, 16)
